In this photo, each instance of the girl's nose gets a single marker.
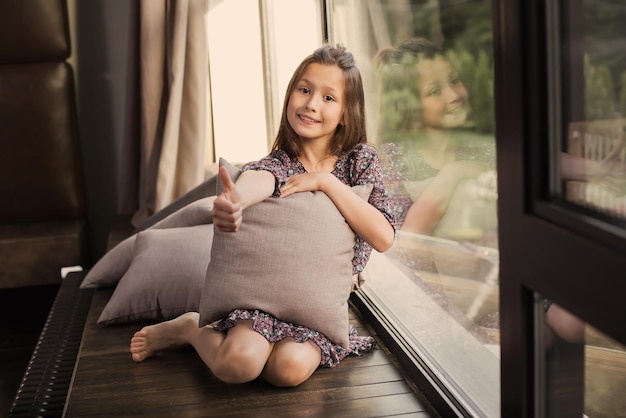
(454, 94)
(311, 103)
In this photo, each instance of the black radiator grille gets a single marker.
(46, 382)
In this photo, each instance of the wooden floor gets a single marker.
(107, 383)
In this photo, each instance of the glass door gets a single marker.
(560, 84)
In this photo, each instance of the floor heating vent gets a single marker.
(46, 382)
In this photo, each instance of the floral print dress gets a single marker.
(360, 166)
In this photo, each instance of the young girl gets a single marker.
(321, 145)
(423, 102)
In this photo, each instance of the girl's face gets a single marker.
(316, 105)
(443, 95)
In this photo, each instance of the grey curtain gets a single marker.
(173, 101)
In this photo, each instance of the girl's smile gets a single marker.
(307, 119)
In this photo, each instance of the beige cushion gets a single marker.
(111, 267)
(165, 277)
(292, 258)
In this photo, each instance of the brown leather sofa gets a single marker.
(42, 210)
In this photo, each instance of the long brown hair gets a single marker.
(352, 132)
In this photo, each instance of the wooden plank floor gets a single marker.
(107, 383)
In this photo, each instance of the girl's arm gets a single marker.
(431, 205)
(367, 221)
(251, 187)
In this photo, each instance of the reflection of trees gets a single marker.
(605, 41)
(458, 24)
(467, 26)
(599, 101)
(622, 97)
(477, 74)
(463, 28)
(605, 62)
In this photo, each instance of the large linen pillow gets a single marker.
(165, 278)
(292, 258)
(108, 271)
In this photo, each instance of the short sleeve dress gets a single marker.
(360, 166)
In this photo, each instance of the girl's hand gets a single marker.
(227, 210)
(306, 182)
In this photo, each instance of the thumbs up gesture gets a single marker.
(227, 211)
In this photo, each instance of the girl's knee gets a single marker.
(239, 365)
(287, 377)
(290, 368)
(241, 356)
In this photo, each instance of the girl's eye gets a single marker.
(329, 98)
(304, 90)
(434, 92)
(455, 81)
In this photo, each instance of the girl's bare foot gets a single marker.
(170, 334)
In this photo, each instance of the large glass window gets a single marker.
(429, 78)
(589, 66)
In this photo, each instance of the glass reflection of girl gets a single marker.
(422, 101)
